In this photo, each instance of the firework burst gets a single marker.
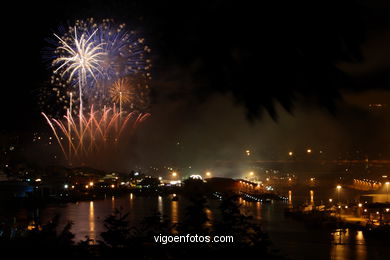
(81, 56)
(121, 91)
(109, 65)
(119, 53)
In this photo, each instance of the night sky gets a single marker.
(228, 76)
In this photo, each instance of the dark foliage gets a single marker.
(264, 53)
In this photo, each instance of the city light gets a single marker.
(290, 153)
(196, 177)
(174, 174)
(66, 186)
(91, 183)
(208, 174)
(308, 150)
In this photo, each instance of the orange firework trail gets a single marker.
(92, 133)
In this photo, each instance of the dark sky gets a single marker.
(216, 62)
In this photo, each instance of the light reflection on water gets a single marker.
(210, 217)
(347, 243)
(175, 212)
(160, 205)
(91, 220)
(291, 237)
(113, 206)
(258, 211)
(311, 197)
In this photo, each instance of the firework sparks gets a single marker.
(109, 66)
(120, 53)
(100, 129)
(81, 57)
(121, 91)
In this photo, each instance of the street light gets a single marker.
(208, 174)
(290, 153)
(174, 174)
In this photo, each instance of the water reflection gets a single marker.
(360, 238)
(175, 211)
(311, 197)
(291, 237)
(160, 205)
(347, 244)
(131, 201)
(91, 221)
(258, 211)
(113, 206)
(209, 215)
